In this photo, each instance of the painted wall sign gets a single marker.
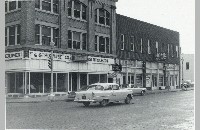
(100, 60)
(14, 55)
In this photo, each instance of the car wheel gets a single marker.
(104, 103)
(86, 104)
(127, 100)
(142, 93)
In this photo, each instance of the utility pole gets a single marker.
(51, 96)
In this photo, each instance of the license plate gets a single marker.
(83, 97)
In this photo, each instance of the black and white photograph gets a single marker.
(99, 64)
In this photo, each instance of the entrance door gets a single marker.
(73, 82)
(83, 81)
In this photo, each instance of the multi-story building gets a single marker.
(89, 38)
(84, 35)
(187, 67)
(149, 54)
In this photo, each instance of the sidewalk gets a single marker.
(65, 98)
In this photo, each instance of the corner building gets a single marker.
(149, 54)
(84, 33)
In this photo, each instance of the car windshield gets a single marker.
(95, 87)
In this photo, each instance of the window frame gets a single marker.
(156, 47)
(132, 43)
(51, 8)
(106, 17)
(106, 43)
(51, 35)
(17, 6)
(17, 35)
(81, 40)
(82, 11)
(122, 41)
(149, 46)
(141, 45)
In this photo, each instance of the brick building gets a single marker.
(89, 38)
(84, 35)
(148, 53)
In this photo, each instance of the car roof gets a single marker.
(104, 84)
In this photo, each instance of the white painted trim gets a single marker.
(12, 23)
(77, 30)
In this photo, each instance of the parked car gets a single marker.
(72, 94)
(103, 93)
(135, 89)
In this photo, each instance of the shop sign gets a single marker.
(116, 67)
(100, 60)
(161, 56)
(171, 66)
(14, 55)
(46, 55)
(79, 58)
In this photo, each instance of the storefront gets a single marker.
(31, 74)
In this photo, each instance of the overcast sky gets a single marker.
(177, 15)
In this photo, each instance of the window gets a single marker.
(172, 50)
(132, 44)
(122, 42)
(162, 47)
(12, 5)
(77, 10)
(102, 44)
(187, 66)
(177, 51)
(149, 47)
(77, 40)
(47, 5)
(168, 49)
(12, 35)
(156, 47)
(141, 46)
(44, 35)
(102, 17)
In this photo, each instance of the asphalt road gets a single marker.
(166, 111)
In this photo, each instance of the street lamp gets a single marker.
(51, 96)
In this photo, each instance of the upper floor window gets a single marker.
(47, 5)
(102, 44)
(168, 49)
(102, 17)
(141, 44)
(149, 47)
(122, 41)
(177, 51)
(156, 47)
(12, 5)
(187, 66)
(45, 34)
(77, 40)
(132, 43)
(12, 35)
(172, 50)
(77, 10)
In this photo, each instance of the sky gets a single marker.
(177, 15)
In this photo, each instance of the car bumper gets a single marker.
(85, 100)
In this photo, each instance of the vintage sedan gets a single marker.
(135, 89)
(103, 93)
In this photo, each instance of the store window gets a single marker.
(102, 44)
(12, 5)
(44, 35)
(77, 40)
(139, 80)
(77, 10)
(161, 81)
(47, 5)
(102, 17)
(12, 35)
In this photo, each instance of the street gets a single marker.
(163, 111)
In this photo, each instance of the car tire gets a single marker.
(128, 100)
(104, 103)
(143, 93)
(86, 104)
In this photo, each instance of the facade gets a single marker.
(187, 67)
(149, 54)
(84, 35)
(89, 38)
